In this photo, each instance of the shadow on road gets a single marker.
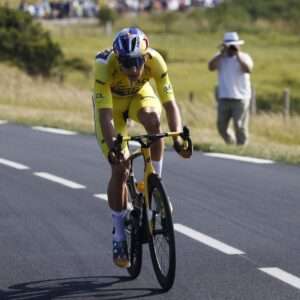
(91, 287)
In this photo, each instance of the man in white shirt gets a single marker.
(234, 88)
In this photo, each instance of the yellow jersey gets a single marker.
(111, 82)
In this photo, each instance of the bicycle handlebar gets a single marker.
(146, 140)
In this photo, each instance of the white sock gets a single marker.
(158, 166)
(118, 219)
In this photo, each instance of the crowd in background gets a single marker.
(89, 8)
(159, 5)
(61, 9)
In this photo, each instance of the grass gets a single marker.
(68, 105)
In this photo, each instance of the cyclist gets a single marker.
(122, 90)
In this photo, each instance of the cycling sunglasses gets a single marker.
(129, 62)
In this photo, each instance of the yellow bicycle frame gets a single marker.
(148, 168)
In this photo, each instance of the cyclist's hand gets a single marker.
(115, 157)
(183, 144)
(183, 148)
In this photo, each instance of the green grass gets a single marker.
(276, 57)
(68, 105)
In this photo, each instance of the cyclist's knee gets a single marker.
(151, 121)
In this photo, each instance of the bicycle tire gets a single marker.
(133, 234)
(165, 230)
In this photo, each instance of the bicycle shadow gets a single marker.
(90, 287)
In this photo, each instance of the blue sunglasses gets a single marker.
(129, 62)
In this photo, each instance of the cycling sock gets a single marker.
(118, 219)
(158, 164)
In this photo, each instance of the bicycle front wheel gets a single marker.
(162, 241)
(133, 234)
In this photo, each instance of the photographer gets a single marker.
(234, 88)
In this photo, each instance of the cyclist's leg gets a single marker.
(116, 194)
(145, 108)
(117, 189)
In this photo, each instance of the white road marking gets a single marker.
(283, 276)
(240, 158)
(101, 196)
(3, 122)
(207, 240)
(65, 182)
(54, 130)
(13, 164)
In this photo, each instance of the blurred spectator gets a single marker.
(76, 9)
(234, 88)
(90, 8)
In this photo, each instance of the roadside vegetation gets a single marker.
(188, 40)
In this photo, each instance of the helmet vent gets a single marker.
(125, 45)
(133, 44)
(130, 42)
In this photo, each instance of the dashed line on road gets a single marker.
(277, 273)
(62, 181)
(240, 158)
(283, 276)
(54, 130)
(13, 164)
(207, 240)
(101, 196)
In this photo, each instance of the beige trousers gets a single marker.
(238, 111)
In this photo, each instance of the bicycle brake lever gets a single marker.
(185, 133)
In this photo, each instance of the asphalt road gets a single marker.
(237, 225)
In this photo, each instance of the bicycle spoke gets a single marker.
(162, 252)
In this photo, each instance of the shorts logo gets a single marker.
(168, 88)
(99, 96)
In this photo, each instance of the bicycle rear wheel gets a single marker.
(133, 234)
(162, 242)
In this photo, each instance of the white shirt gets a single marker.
(233, 82)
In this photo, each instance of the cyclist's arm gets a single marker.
(107, 126)
(161, 77)
(103, 104)
(173, 116)
(166, 93)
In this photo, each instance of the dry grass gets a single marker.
(36, 101)
(68, 105)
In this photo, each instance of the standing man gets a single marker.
(122, 90)
(234, 88)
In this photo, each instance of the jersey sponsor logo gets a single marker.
(164, 75)
(99, 81)
(104, 55)
(168, 88)
(125, 91)
(99, 96)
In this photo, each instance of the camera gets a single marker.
(232, 48)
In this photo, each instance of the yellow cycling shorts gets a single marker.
(127, 106)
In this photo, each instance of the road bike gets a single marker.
(149, 220)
